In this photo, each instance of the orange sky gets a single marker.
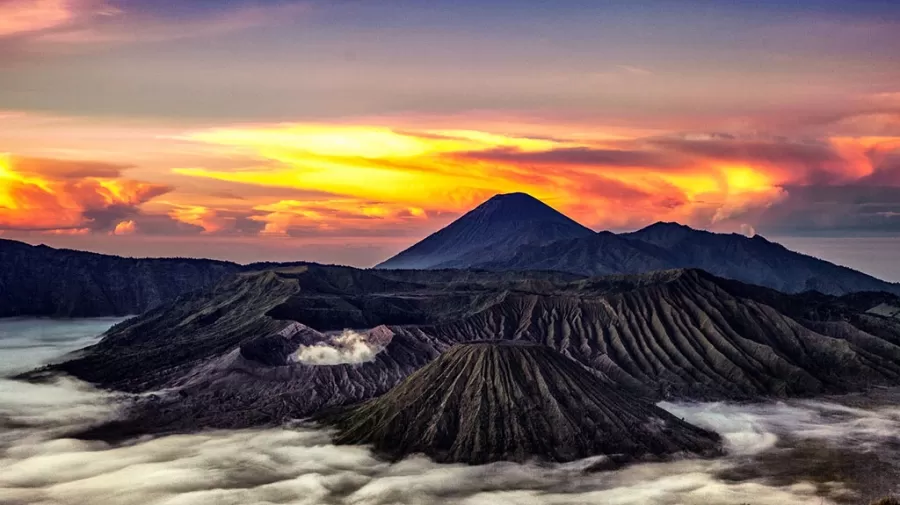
(263, 130)
(357, 181)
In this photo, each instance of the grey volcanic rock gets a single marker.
(494, 229)
(491, 401)
(222, 357)
(43, 281)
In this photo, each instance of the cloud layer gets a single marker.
(299, 465)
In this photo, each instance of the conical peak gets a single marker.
(513, 197)
(494, 229)
(517, 206)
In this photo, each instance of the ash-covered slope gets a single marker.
(503, 400)
(679, 334)
(492, 230)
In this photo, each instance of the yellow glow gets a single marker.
(10, 180)
(694, 185)
(6, 176)
(360, 176)
(345, 141)
(373, 163)
(7, 173)
(492, 140)
(745, 179)
(116, 192)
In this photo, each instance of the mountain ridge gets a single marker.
(43, 281)
(662, 245)
(39, 280)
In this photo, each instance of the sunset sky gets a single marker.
(345, 130)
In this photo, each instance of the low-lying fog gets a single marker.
(780, 453)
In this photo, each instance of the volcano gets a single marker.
(513, 401)
(493, 230)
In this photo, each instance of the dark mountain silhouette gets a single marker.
(43, 281)
(513, 232)
(492, 230)
(511, 400)
(602, 253)
(515, 239)
(220, 353)
(756, 260)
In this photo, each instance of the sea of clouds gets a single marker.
(299, 465)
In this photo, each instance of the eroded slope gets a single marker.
(671, 334)
(511, 400)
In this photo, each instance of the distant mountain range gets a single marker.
(518, 232)
(512, 232)
(43, 281)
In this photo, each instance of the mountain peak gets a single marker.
(457, 409)
(493, 229)
(516, 206)
(666, 225)
(516, 195)
(663, 233)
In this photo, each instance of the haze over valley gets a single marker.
(299, 464)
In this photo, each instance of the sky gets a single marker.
(342, 131)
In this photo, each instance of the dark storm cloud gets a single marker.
(844, 209)
(161, 224)
(106, 218)
(244, 225)
(886, 168)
